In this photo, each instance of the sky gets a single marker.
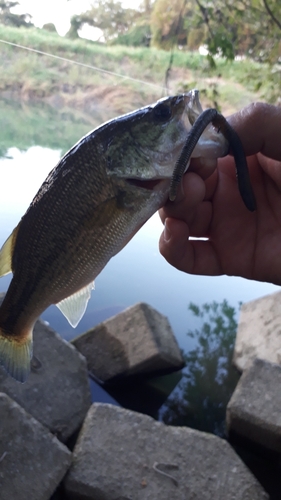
(59, 12)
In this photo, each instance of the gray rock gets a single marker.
(57, 391)
(138, 340)
(120, 455)
(32, 460)
(259, 331)
(254, 411)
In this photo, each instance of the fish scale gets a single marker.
(91, 204)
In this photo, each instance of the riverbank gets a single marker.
(84, 74)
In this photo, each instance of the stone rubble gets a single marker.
(57, 391)
(138, 340)
(254, 411)
(32, 460)
(259, 331)
(119, 454)
(124, 455)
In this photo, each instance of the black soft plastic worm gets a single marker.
(205, 118)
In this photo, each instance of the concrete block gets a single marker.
(137, 341)
(32, 460)
(57, 391)
(254, 410)
(259, 331)
(124, 455)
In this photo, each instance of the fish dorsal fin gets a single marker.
(6, 254)
(74, 306)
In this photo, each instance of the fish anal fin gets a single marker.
(15, 356)
(6, 253)
(74, 306)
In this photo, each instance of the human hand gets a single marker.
(238, 242)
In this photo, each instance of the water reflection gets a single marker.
(23, 125)
(209, 378)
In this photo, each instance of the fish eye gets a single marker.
(162, 112)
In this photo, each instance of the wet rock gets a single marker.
(259, 331)
(125, 455)
(57, 391)
(137, 341)
(32, 460)
(254, 410)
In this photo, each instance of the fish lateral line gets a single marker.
(211, 115)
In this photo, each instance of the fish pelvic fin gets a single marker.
(74, 306)
(15, 356)
(6, 253)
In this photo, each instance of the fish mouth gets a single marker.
(148, 184)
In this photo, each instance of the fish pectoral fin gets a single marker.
(74, 306)
(15, 356)
(6, 254)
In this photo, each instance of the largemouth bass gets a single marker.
(91, 204)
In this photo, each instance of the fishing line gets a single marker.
(89, 66)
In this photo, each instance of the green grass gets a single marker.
(71, 100)
(38, 76)
(107, 57)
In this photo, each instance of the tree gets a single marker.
(138, 36)
(50, 27)
(139, 32)
(76, 23)
(10, 19)
(169, 24)
(147, 6)
(246, 27)
(107, 15)
(209, 377)
(227, 28)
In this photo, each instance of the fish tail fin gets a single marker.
(15, 355)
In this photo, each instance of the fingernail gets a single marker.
(167, 233)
